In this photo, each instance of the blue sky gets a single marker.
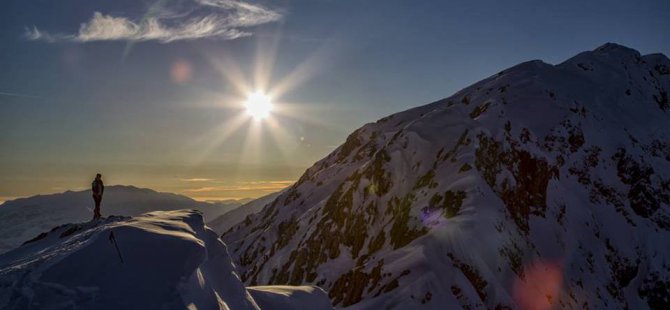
(147, 92)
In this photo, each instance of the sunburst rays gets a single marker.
(255, 125)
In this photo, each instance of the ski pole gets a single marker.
(112, 239)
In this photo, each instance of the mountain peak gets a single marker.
(610, 48)
(616, 52)
(607, 53)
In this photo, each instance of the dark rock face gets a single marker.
(645, 198)
(451, 204)
(530, 177)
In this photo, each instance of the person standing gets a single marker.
(97, 187)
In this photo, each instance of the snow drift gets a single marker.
(165, 260)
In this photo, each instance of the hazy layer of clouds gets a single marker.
(196, 180)
(222, 19)
(266, 186)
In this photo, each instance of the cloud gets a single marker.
(20, 95)
(221, 19)
(244, 186)
(196, 180)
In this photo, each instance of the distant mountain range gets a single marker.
(24, 218)
(543, 186)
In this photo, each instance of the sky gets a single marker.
(152, 93)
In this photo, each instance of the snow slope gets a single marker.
(543, 186)
(227, 220)
(167, 260)
(24, 218)
(290, 297)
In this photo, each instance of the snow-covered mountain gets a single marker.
(229, 219)
(159, 260)
(24, 218)
(541, 186)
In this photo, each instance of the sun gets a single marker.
(259, 105)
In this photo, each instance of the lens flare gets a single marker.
(540, 287)
(181, 71)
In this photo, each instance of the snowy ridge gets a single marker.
(24, 218)
(229, 219)
(541, 186)
(165, 260)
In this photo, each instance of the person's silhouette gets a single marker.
(97, 187)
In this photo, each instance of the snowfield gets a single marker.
(289, 297)
(165, 260)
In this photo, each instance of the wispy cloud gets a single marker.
(8, 94)
(244, 186)
(196, 180)
(222, 19)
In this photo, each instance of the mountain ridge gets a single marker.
(24, 218)
(540, 159)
